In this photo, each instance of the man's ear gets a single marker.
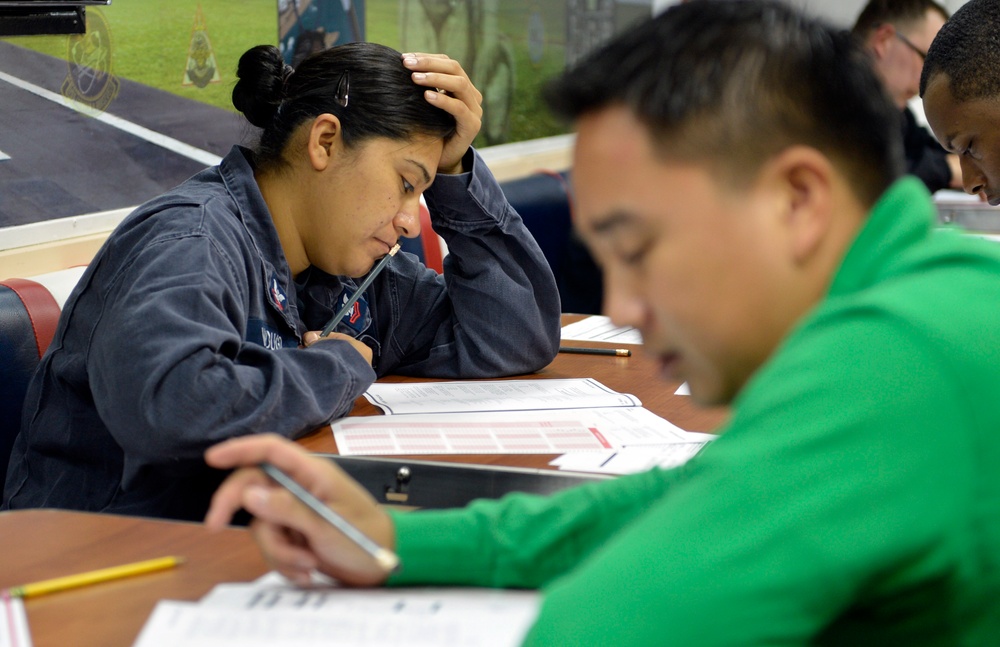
(325, 141)
(880, 38)
(806, 178)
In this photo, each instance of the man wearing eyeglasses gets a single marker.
(896, 34)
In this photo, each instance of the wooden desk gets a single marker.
(440, 487)
(40, 544)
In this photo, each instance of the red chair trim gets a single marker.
(41, 307)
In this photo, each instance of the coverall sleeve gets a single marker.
(172, 374)
(495, 311)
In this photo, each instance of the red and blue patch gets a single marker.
(276, 293)
(359, 317)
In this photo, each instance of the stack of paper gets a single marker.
(600, 328)
(13, 623)
(271, 612)
(503, 417)
(631, 459)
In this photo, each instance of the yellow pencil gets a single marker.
(92, 577)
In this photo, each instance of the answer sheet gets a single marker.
(555, 431)
(266, 615)
(495, 395)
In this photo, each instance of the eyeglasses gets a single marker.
(906, 41)
(344, 88)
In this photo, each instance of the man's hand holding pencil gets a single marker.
(294, 539)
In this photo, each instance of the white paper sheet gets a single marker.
(498, 395)
(508, 432)
(630, 459)
(13, 623)
(600, 328)
(950, 196)
(249, 615)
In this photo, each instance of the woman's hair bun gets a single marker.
(259, 91)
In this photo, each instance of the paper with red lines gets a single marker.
(511, 432)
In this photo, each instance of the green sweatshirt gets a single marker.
(853, 497)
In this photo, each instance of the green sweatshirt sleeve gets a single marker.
(767, 537)
(800, 515)
(521, 540)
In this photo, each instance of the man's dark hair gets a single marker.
(894, 12)
(734, 83)
(967, 51)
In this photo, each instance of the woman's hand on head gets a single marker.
(457, 96)
(293, 539)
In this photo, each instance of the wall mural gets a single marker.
(508, 47)
(307, 26)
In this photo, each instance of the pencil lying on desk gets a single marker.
(620, 352)
(383, 556)
(92, 577)
(357, 293)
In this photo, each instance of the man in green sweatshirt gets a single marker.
(738, 177)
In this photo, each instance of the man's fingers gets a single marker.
(280, 551)
(249, 451)
(228, 498)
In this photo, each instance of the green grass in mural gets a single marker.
(151, 39)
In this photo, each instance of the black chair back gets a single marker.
(28, 318)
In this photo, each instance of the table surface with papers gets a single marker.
(636, 375)
(221, 595)
(39, 544)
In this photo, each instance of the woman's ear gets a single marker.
(325, 141)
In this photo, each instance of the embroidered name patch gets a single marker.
(259, 332)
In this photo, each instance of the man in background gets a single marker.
(960, 86)
(897, 33)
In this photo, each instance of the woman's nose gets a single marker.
(407, 220)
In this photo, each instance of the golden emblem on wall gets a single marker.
(201, 68)
(90, 82)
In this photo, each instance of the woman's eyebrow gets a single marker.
(423, 169)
